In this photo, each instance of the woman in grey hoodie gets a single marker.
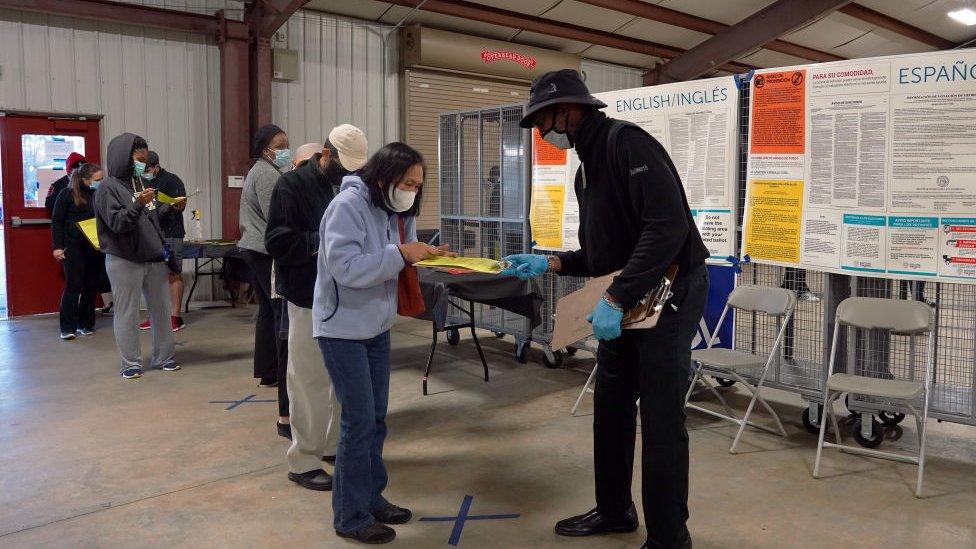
(270, 155)
(360, 257)
(127, 220)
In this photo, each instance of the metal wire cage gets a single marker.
(484, 185)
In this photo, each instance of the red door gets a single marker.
(32, 155)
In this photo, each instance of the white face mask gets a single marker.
(400, 200)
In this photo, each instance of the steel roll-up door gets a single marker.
(429, 94)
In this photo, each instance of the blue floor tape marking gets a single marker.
(236, 403)
(463, 517)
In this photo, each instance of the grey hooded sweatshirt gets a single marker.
(126, 228)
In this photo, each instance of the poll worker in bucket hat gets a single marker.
(634, 218)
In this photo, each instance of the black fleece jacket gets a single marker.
(66, 215)
(298, 202)
(634, 214)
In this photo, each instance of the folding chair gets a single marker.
(777, 303)
(898, 318)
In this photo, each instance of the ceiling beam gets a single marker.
(515, 20)
(146, 16)
(677, 18)
(752, 32)
(265, 17)
(879, 19)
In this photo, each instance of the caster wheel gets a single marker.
(810, 426)
(877, 435)
(725, 382)
(453, 337)
(500, 335)
(571, 351)
(522, 353)
(891, 418)
(553, 361)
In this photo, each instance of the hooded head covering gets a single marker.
(119, 158)
(262, 138)
(74, 160)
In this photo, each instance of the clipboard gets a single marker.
(571, 310)
(90, 230)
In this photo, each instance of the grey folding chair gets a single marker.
(900, 318)
(778, 303)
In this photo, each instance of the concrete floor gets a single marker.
(91, 460)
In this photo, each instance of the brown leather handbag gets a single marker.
(410, 300)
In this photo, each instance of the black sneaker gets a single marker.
(329, 459)
(391, 514)
(284, 429)
(132, 373)
(171, 367)
(316, 479)
(85, 331)
(374, 534)
(67, 336)
(267, 382)
(108, 309)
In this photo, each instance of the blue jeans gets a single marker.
(360, 372)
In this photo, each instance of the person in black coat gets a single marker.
(634, 218)
(73, 161)
(171, 222)
(83, 264)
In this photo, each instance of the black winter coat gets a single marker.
(634, 214)
(66, 215)
(298, 202)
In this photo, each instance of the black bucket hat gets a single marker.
(562, 86)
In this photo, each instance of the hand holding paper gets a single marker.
(525, 266)
(605, 320)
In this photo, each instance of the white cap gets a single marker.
(350, 141)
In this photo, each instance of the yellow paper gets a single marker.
(477, 264)
(546, 215)
(90, 231)
(773, 227)
(167, 199)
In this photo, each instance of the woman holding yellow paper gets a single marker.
(82, 262)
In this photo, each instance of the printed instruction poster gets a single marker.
(880, 159)
(696, 123)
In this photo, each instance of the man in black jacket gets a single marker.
(634, 218)
(171, 220)
(292, 238)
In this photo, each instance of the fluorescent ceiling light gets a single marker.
(965, 16)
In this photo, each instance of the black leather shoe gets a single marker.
(594, 522)
(391, 514)
(317, 480)
(374, 534)
(284, 430)
(684, 542)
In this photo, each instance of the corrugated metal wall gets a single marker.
(603, 77)
(341, 80)
(159, 84)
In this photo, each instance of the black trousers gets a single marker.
(283, 403)
(83, 266)
(270, 353)
(652, 365)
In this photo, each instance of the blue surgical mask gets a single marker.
(282, 157)
(138, 168)
(94, 184)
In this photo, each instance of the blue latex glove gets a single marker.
(605, 320)
(525, 266)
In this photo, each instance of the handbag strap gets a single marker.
(403, 231)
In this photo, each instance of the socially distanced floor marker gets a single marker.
(463, 517)
(236, 403)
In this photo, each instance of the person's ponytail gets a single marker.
(84, 171)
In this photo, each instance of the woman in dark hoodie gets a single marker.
(129, 233)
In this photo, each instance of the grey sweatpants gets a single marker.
(151, 281)
(312, 405)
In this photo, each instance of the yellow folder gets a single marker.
(90, 231)
(477, 264)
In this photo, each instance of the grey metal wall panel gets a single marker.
(602, 77)
(341, 80)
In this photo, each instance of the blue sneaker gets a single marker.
(171, 367)
(132, 373)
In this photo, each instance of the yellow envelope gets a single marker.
(90, 231)
(477, 264)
